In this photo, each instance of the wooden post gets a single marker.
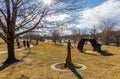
(68, 59)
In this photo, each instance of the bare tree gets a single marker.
(75, 36)
(55, 36)
(25, 15)
(17, 14)
(116, 37)
(94, 32)
(84, 33)
(106, 26)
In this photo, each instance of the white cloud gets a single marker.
(109, 9)
(48, 2)
(57, 18)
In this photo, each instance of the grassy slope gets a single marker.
(37, 64)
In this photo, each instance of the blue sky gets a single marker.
(100, 10)
(94, 3)
(95, 11)
(91, 15)
(89, 4)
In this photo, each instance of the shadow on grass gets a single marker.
(89, 54)
(25, 56)
(4, 66)
(105, 53)
(75, 73)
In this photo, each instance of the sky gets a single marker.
(109, 9)
(94, 3)
(95, 11)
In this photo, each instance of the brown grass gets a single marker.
(36, 65)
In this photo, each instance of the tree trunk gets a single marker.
(54, 42)
(11, 54)
(37, 41)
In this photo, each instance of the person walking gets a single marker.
(18, 44)
(28, 44)
(24, 44)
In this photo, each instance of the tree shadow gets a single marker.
(103, 53)
(4, 66)
(75, 73)
(106, 53)
(89, 54)
(25, 56)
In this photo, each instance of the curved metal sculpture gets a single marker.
(96, 46)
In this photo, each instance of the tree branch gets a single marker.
(43, 14)
(14, 14)
(8, 11)
(3, 37)
(3, 27)
(3, 14)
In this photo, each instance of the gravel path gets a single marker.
(16, 49)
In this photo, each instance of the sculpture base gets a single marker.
(61, 66)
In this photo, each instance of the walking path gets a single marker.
(16, 49)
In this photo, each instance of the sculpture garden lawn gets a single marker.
(36, 65)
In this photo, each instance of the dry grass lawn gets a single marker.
(36, 65)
